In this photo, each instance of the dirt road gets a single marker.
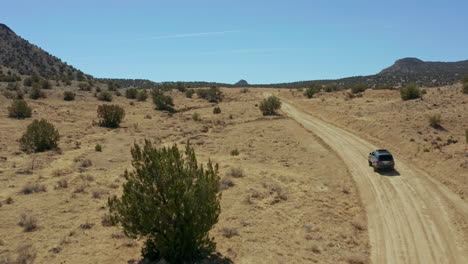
(407, 211)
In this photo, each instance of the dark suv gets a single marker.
(381, 159)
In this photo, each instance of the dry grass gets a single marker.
(26, 254)
(359, 224)
(28, 222)
(87, 225)
(60, 172)
(106, 220)
(229, 232)
(236, 173)
(9, 200)
(97, 194)
(280, 192)
(81, 188)
(355, 259)
(86, 163)
(62, 184)
(226, 183)
(316, 248)
(33, 188)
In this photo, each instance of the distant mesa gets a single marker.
(241, 83)
(438, 70)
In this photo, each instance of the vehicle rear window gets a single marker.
(385, 158)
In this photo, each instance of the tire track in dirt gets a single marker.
(407, 210)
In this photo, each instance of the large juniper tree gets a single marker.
(171, 201)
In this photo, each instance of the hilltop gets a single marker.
(25, 58)
(403, 71)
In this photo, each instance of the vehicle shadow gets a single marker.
(393, 172)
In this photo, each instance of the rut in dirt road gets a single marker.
(407, 211)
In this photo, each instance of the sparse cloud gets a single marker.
(198, 34)
(235, 51)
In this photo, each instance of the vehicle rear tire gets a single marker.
(370, 163)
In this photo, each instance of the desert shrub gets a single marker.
(383, 86)
(142, 95)
(12, 86)
(131, 93)
(9, 95)
(68, 96)
(87, 225)
(106, 220)
(465, 79)
(105, 96)
(45, 84)
(118, 93)
(171, 201)
(313, 89)
(112, 86)
(410, 91)
(110, 115)
(62, 184)
(331, 87)
(229, 232)
(39, 136)
(216, 110)
(358, 88)
(245, 90)
(465, 88)
(83, 86)
(236, 173)
(19, 109)
(36, 93)
(235, 152)
(19, 95)
(28, 222)
(189, 93)
(181, 87)
(226, 183)
(28, 81)
(466, 136)
(231, 116)
(270, 105)
(98, 148)
(212, 95)
(26, 254)
(163, 102)
(196, 117)
(434, 121)
(98, 89)
(33, 188)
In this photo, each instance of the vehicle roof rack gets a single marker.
(382, 150)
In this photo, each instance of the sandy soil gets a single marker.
(296, 201)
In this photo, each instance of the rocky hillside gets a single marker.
(404, 71)
(25, 58)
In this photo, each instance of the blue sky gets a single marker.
(224, 41)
